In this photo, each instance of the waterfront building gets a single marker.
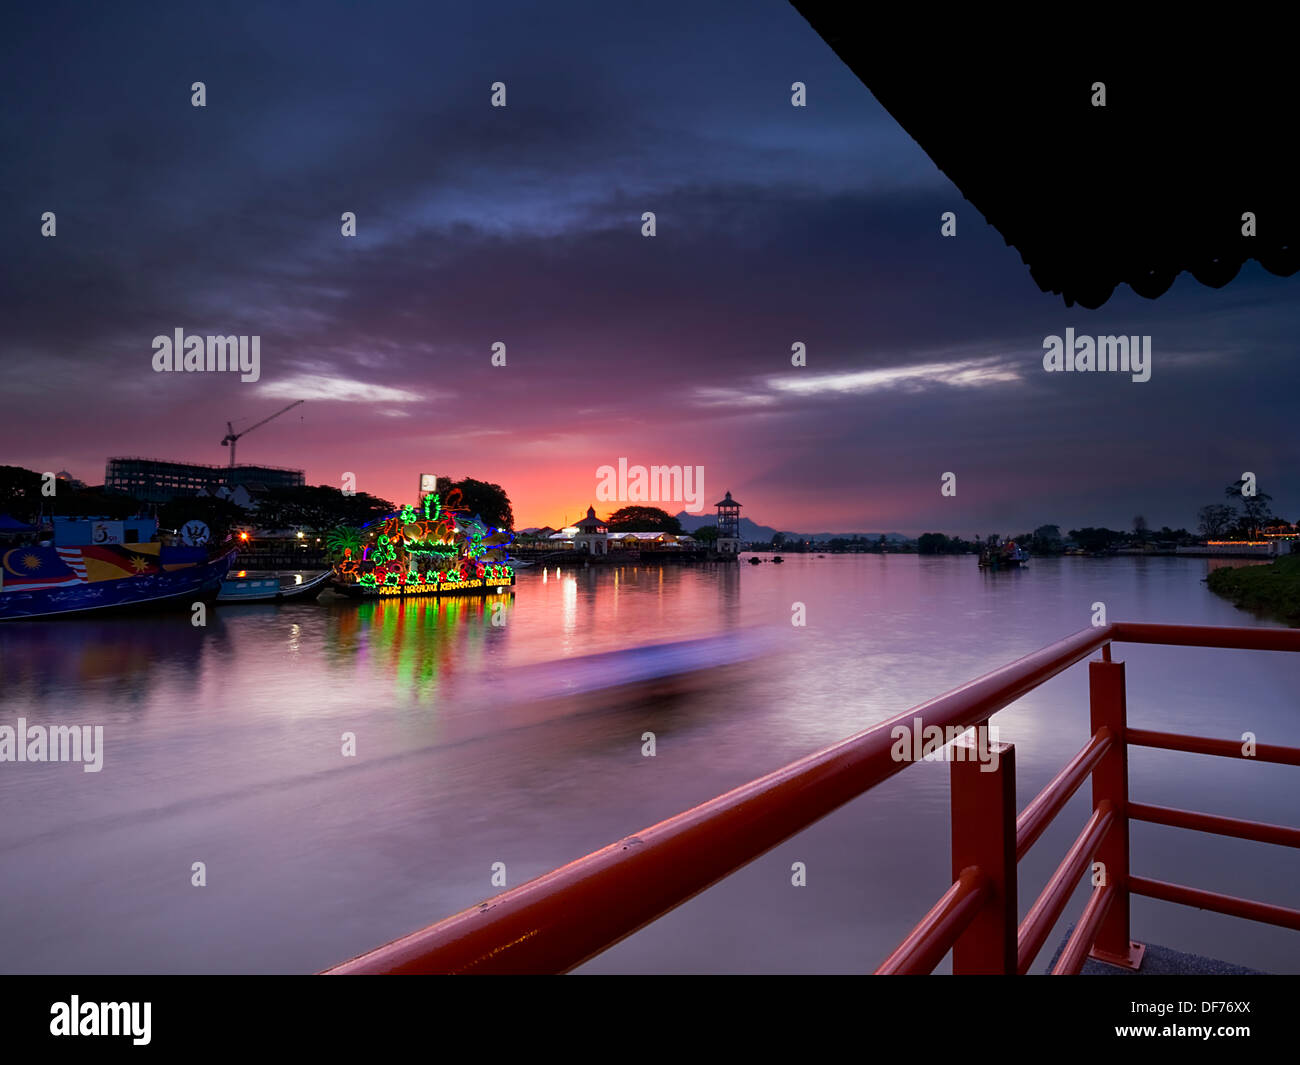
(643, 539)
(158, 481)
(246, 496)
(592, 535)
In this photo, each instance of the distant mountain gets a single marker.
(751, 531)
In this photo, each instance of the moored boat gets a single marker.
(1009, 555)
(270, 588)
(101, 565)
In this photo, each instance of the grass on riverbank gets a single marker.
(1274, 588)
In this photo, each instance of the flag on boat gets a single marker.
(29, 569)
(111, 562)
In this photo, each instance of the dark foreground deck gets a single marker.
(1159, 961)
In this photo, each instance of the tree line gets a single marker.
(310, 508)
(1246, 515)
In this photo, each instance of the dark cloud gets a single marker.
(522, 225)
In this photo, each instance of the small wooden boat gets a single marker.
(264, 589)
(755, 561)
(778, 558)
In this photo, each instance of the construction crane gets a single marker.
(232, 436)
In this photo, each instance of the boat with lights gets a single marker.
(436, 549)
(997, 555)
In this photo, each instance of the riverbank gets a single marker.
(1274, 589)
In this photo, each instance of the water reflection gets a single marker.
(57, 664)
(227, 746)
(411, 647)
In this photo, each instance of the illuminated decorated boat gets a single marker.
(432, 550)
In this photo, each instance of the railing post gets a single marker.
(984, 835)
(1108, 704)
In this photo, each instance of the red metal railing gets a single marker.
(554, 923)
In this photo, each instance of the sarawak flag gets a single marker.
(30, 569)
(112, 562)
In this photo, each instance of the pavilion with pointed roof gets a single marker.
(592, 534)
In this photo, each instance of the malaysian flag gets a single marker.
(31, 569)
(71, 557)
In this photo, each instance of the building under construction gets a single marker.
(157, 481)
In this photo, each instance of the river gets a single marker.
(224, 744)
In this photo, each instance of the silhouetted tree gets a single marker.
(932, 544)
(1092, 539)
(643, 519)
(488, 501)
(1255, 508)
(317, 508)
(1215, 520)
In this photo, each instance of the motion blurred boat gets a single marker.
(98, 564)
(633, 681)
(270, 589)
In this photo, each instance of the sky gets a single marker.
(522, 225)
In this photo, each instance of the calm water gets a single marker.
(222, 745)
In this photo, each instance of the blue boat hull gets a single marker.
(270, 590)
(174, 588)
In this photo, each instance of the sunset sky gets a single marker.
(522, 224)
